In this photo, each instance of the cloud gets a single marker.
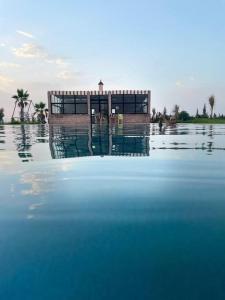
(30, 51)
(66, 75)
(5, 82)
(26, 34)
(4, 64)
(2, 45)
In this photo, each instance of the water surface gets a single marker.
(112, 213)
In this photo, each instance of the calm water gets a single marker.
(112, 213)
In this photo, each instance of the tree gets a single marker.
(184, 116)
(204, 112)
(211, 103)
(176, 111)
(1, 115)
(153, 113)
(22, 101)
(39, 110)
(164, 112)
(197, 114)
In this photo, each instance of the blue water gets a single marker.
(112, 213)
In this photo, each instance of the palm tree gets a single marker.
(176, 111)
(39, 110)
(212, 103)
(22, 101)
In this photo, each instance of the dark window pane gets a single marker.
(142, 98)
(95, 107)
(141, 108)
(57, 108)
(68, 99)
(118, 108)
(129, 98)
(129, 108)
(69, 108)
(81, 99)
(94, 98)
(103, 98)
(81, 109)
(117, 98)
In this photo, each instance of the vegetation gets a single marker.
(41, 112)
(211, 103)
(185, 117)
(2, 115)
(22, 101)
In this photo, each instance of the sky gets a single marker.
(174, 48)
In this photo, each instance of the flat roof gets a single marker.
(113, 92)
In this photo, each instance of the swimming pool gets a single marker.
(112, 213)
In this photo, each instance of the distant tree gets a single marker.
(153, 113)
(164, 111)
(211, 103)
(22, 101)
(184, 116)
(2, 115)
(204, 112)
(197, 114)
(39, 110)
(176, 111)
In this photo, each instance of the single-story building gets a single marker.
(82, 107)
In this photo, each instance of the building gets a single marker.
(82, 107)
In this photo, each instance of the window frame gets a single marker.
(75, 102)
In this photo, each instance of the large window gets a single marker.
(130, 104)
(69, 104)
(99, 104)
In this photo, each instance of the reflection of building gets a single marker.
(67, 142)
(73, 107)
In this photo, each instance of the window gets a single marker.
(117, 103)
(68, 99)
(69, 108)
(141, 104)
(69, 104)
(130, 104)
(81, 108)
(57, 108)
(118, 107)
(129, 108)
(129, 98)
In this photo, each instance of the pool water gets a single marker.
(112, 213)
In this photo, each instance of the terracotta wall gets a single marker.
(69, 119)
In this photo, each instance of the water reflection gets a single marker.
(66, 142)
(27, 143)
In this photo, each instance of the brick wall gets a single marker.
(69, 119)
(136, 118)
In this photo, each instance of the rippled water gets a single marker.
(112, 213)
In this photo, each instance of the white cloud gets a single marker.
(2, 45)
(66, 75)
(26, 34)
(30, 51)
(4, 64)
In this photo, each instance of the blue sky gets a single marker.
(175, 48)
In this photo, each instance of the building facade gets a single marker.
(82, 107)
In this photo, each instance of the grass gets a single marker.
(205, 121)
